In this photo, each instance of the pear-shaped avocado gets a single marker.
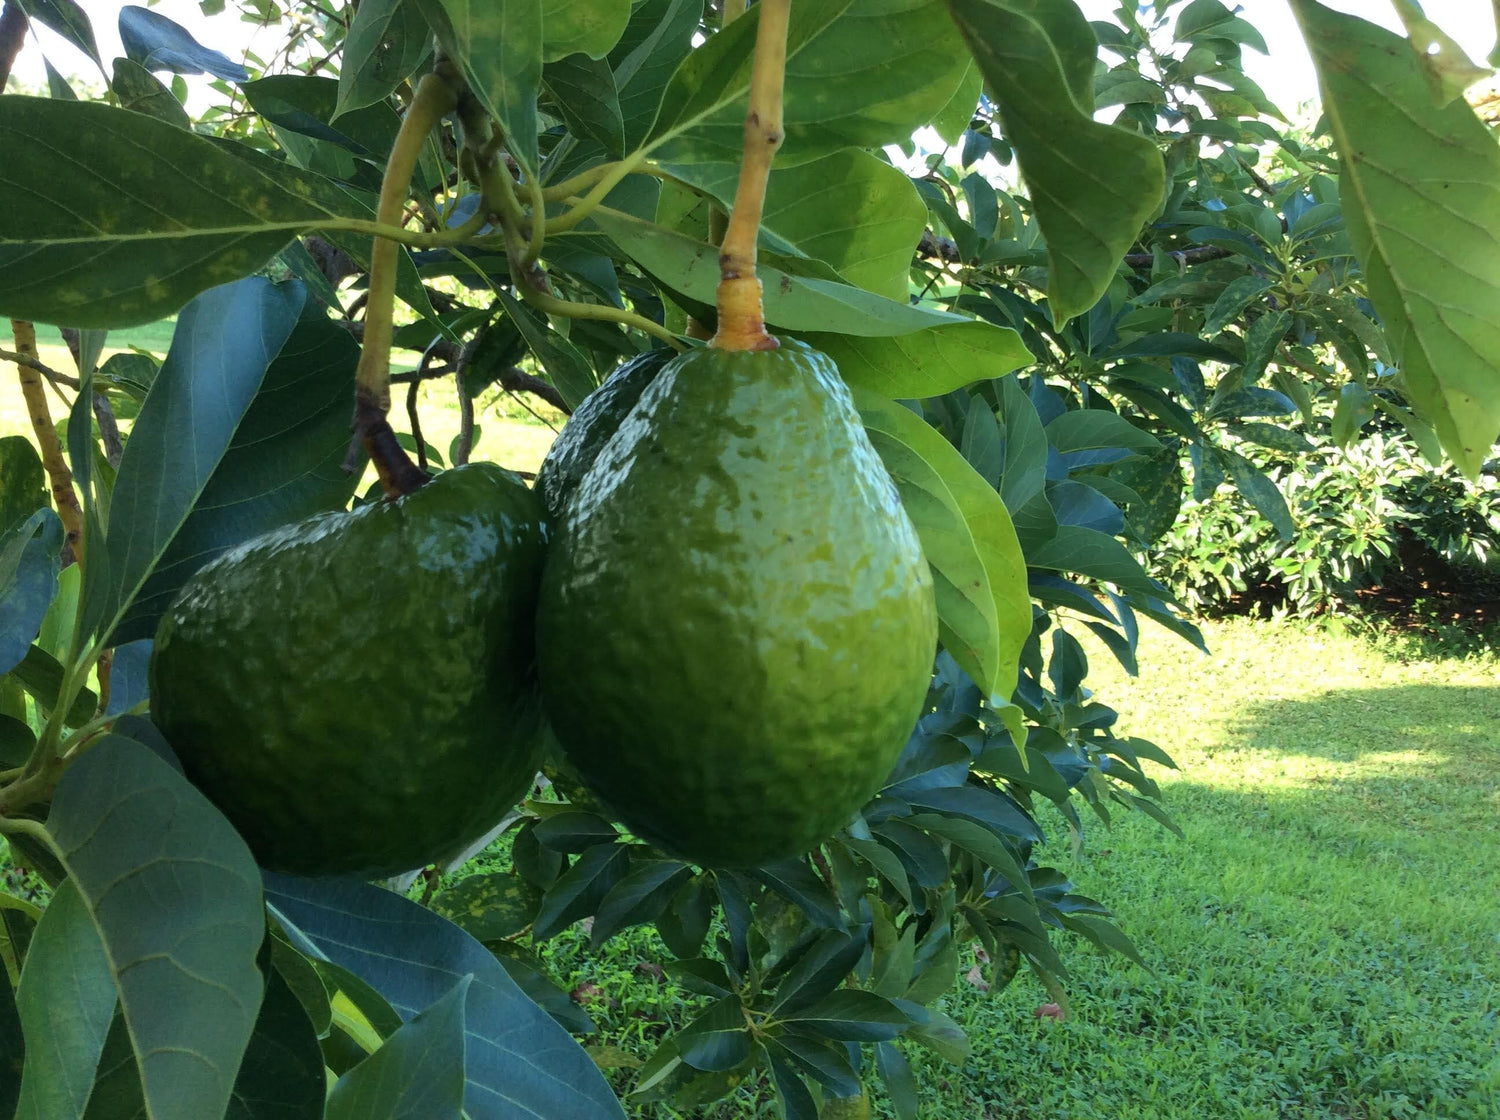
(736, 626)
(357, 691)
(590, 428)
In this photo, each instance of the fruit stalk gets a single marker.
(742, 323)
(434, 98)
(63, 494)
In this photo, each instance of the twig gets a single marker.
(63, 494)
(109, 430)
(45, 370)
(416, 425)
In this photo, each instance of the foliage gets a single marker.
(561, 216)
(1354, 511)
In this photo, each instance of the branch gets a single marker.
(1182, 256)
(45, 370)
(516, 380)
(63, 494)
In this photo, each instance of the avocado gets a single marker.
(357, 691)
(736, 625)
(591, 427)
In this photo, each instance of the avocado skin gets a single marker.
(356, 692)
(590, 428)
(736, 626)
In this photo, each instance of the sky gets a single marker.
(1286, 75)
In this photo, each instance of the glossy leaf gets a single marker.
(639, 897)
(134, 833)
(656, 40)
(984, 610)
(825, 964)
(716, 1040)
(95, 250)
(141, 91)
(1420, 188)
(418, 1074)
(497, 45)
(1093, 185)
(223, 344)
(65, 1000)
(585, 94)
(1086, 429)
(284, 461)
(1261, 492)
(516, 1056)
(567, 367)
(1091, 553)
(282, 1075)
(851, 1015)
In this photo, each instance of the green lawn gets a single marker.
(1325, 942)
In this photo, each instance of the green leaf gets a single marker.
(792, 1093)
(718, 1039)
(1237, 295)
(851, 1015)
(1158, 480)
(282, 1075)
(588, 27)
(387, 39)
(22, 481)
(221, 348)
(1261, 492)
(69, 20)
(796, 303)
(65, 1000)
(141, 91)
(859, 74)
(580, 889)
(585, 93)
(40, 674)
(656, 40)
(497, 45)
(518, 1060)
(1261, 341)
(1093, 185)
(1086, 429)
(489, 906)
(418, 1074)
(854, 212)
(984, 609)
(566, 366)
(1355, 409)
(133, 832)
(284, 461)
(822, 967)
(28, 582)
(924, 363)
(900, 1084)
(639, 897)
(941, 1035)
(95, 250)
(978, 840)
(1420, 188)
(1092, 553)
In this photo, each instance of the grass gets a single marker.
(1325, 943)
(509, 433)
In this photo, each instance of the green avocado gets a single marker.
(357, 691)
(736, 625)
(591, 427)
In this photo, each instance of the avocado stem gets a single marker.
(431, 102)
(742, 324)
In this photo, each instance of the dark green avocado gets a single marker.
(736, 625)
(356, 692)
(591, 427)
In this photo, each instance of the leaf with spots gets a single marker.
(1420, 188)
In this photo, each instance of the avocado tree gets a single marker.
(527, 194)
